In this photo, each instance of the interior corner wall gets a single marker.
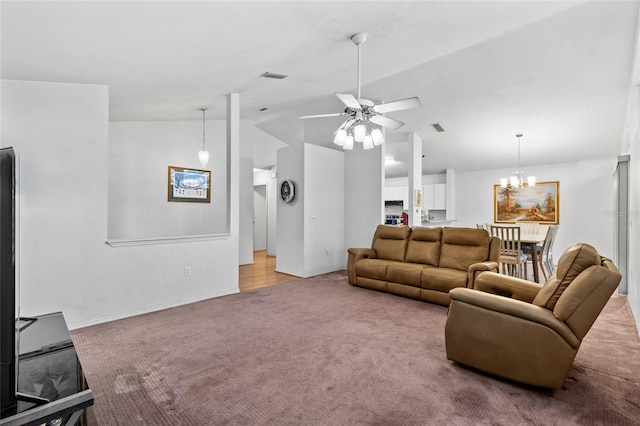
(60, 134)
(290, 219)
(323, 210)
(364, 201)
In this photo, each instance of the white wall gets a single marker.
(139, 155)
(631, 145)
(324, 249)
(290, 219)
(60, 133)
(364, 195)
(586, 200)
(311, 227)
(247, 140)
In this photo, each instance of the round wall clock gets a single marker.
(287, 191)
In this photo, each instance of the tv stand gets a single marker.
(51, 383)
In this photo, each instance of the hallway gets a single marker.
(262, 273)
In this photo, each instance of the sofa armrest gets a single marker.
(505, 285)
(535, 315)
(475, 269)
(356, 254)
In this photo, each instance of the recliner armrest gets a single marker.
(356, 254)
(514, 308)
(477, 268)
(505, 285)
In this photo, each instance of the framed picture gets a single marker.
(540, 204)
(191, 185)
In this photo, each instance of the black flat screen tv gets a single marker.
(9, 310)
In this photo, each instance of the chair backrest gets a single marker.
(580, 288)
(509, 239)
(545, 251)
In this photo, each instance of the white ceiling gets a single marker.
(557, 71)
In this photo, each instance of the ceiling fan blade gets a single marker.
(349, 100)
(335, 114)
(387, 122)
(398, 105)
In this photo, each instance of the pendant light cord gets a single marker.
(203, 126)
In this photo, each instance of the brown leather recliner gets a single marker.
(528, 332)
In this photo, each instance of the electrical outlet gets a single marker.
(187, 271)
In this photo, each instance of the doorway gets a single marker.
(259, 217)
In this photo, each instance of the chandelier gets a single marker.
(517, 180)
(203, 155)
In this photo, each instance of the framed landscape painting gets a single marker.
(191, 185)
(540, 204)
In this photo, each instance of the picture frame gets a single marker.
(418, 199)
(189, 185)
(538, 204)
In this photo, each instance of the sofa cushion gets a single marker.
(462, 247)
(443, 279)
(424, 246)
(573, 261)
(405, 273)
(372, 268)
(390, 242)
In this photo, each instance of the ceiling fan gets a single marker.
(362, 111)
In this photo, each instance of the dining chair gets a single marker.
(545, 257)
(512, 259)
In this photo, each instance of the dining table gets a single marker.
(532, 240)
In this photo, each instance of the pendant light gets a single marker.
(517, 180)
(203, 155)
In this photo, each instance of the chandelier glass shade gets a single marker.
(517, 180)
(203, 154)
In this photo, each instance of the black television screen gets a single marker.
(9, 311)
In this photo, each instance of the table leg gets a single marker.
(534, 261)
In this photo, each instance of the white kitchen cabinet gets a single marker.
(435, 196)
(395, 193)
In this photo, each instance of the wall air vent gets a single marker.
(273, 75)
(438, 127)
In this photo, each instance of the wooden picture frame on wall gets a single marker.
(539, 204)
(189, 185)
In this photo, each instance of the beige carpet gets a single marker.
(321, 352)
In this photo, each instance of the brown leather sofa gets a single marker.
(423, 263)
(525, 331)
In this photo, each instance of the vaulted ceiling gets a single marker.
(558, 72)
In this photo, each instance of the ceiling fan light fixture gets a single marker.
(348, 142)
(377, 137)
(368, 142)
(359, 133)
(341, 135)
(365, 113)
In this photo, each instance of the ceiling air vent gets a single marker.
(273, 75)
(438, 127)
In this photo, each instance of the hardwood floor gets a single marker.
(262, 273)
